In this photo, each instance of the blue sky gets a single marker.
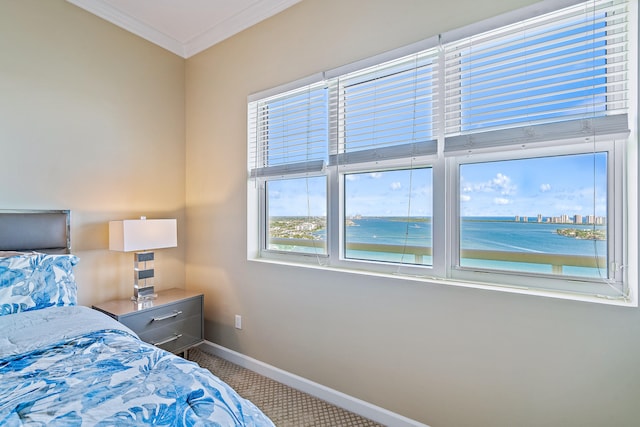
(393, 193)
(550, 186)
(297, 197)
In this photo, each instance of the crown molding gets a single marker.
(235, 24)
(186, 48)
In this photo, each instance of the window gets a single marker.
(385, 117)
(492, 236)
(495, 158)
(388, 216)
(297, 215)
(287, 155)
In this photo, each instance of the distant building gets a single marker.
(565, 219)
(596, 220)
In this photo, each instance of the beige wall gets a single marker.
(443, 355)
(91, 120)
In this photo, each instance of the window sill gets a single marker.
(632, 301)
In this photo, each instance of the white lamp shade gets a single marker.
(142, 234)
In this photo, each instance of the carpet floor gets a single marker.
(287, 407)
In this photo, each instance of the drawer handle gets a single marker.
(167, 340)
(168, 316)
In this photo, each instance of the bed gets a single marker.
(62, 364)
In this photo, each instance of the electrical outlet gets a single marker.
(238, 321)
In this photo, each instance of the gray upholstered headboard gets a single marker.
(34, 230)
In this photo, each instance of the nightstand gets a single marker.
(173, 321)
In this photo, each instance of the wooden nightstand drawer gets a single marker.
(173, 321)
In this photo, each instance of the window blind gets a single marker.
(576, 130)
(385, 111)
(288, 132)
(565, 65)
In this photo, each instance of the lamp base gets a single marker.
(143, 293)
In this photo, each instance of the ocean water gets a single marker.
(479, 233)
(393, 231)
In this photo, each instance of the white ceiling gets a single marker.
(184, 27)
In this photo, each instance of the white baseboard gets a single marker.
(352, 404)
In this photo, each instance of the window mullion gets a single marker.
(334, 189)
(442, 205)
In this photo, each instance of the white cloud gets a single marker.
(503, 183)
(501, 201)
(464, 198)
(545, 187)
(375, 175)
(396, 186)
(351, 177)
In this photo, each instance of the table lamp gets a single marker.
(141, 236)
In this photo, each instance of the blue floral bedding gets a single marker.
(106, 377)
(32, 281)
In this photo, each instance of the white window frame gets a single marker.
(623, 187)
(375, 266)
(614, 147)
